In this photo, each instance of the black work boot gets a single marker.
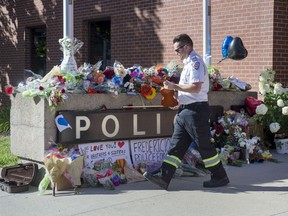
(162, 178)
(218, 177)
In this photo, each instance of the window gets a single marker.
(100, 43)
(38, 50)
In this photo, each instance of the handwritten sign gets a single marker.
(149, 151)
(108, 151)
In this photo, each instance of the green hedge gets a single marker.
(4, 119)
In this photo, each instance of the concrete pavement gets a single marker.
(255, 189)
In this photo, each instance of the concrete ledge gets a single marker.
(229, 98)
(32, 120)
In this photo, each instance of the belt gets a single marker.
(191, 105)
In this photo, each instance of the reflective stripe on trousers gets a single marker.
(212, 161)
(172, 160)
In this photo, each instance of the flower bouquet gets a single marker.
(217, 83)
(228, 128)
(231, 137)
(273, 113)
(66, 78)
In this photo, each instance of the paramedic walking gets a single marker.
(192, 121)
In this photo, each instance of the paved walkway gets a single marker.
(255, 189)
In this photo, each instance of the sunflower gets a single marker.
(152, 94)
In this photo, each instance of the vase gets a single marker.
(281, 145)
(245, 155)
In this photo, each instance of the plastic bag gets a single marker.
(119, 69)
(132, 175)
(43, 185)
(89, 177)
(74, 171)
(240, 84)
(107, 183)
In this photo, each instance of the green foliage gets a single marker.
(212, 69)
(4, 119)
(274, 113)
(6, 158)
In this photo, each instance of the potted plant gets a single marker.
(273, 113)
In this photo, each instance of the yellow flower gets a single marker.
(152, 94)
(266, 155)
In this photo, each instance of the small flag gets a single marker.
(61, 123)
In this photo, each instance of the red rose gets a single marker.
(219, 129)
(41, 88)
(91, 91)
(109, 73)
(60, 77)
(217, 87)
(9, 90)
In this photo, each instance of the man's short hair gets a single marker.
(183, 38)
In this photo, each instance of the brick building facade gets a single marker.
(142, 32)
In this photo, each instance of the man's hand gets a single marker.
(175, 107)
(168, 85)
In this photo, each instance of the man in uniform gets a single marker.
(192, 121)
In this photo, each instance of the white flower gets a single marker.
(212, 132)
(243, 134)
(230, 121)
(267, 88)
(242, 143)
(221, 121)
(249, 144)
(261, 109)
(278, 89)
(264, 88)
(267, 75)
(285, 110)
(274, 127)
(280, 103)
(255, 139)
(262, 79)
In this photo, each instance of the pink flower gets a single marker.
(109, 73)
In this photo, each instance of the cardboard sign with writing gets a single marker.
(108, 151)
(149, 151)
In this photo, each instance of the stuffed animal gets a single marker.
(168, 99)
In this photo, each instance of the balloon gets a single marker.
(225, 46)
(236, 49)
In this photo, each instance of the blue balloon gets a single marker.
(225, 46)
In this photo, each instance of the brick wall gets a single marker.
(142, 32)
(252, 21)
(280, 41)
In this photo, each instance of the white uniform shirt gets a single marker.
(194, 71)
